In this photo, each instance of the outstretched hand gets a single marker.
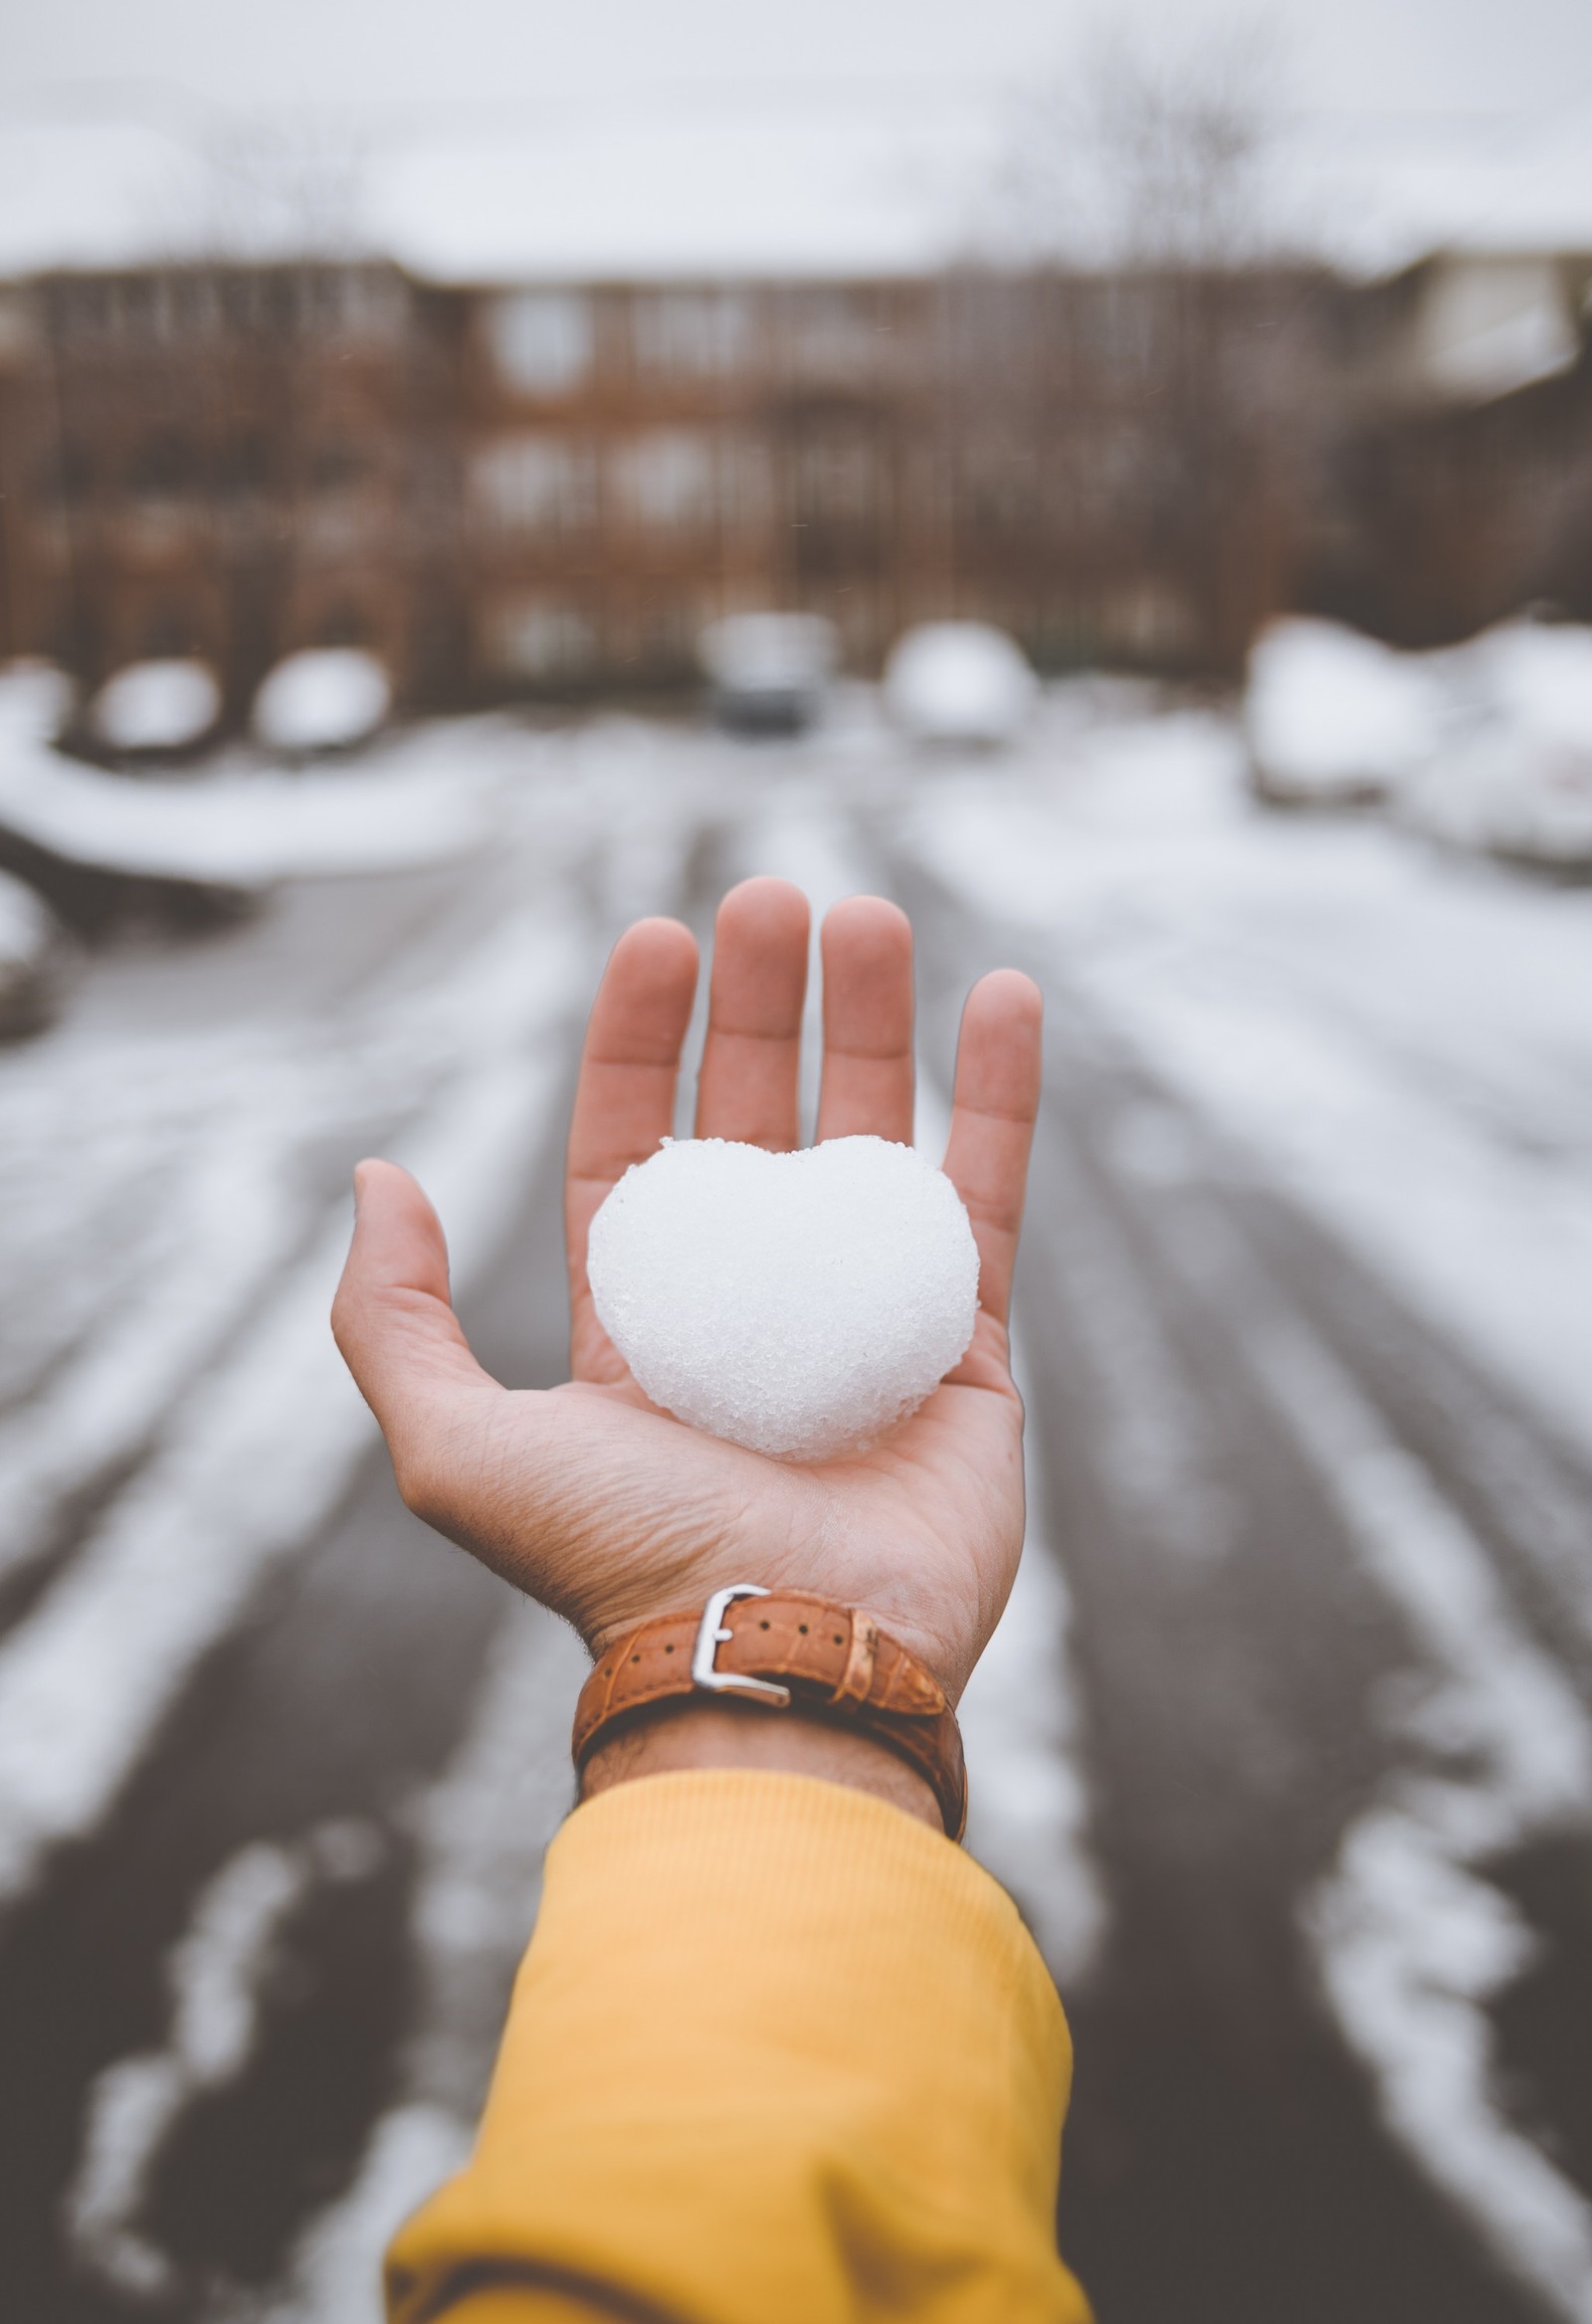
(587, 1496)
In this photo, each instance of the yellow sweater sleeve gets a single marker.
(777, 2054)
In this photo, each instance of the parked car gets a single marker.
(769, 673)
(34, 954)
(1332, 719)
(326, 698)
(157, 710)
(959, 683)
(1514, 778)
(36, 700)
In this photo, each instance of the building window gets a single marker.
(691, 335)
(542, 340)
(535, 637)
(665, 478)
(535, 484)
(836, 337)
(837, 481)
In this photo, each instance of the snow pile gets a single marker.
(1332, 717)
(797, 1304)
(240, 830)
(1518, 780)
(960, 682)
(35, 700)
(156, 706)
(327, 698)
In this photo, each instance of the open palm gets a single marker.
(587, 1496)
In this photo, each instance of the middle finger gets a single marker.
(747, 1089)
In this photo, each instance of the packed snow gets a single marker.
(327, 698)
(800, 1303)
(157, 707)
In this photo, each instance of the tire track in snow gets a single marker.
(483, 1832)
(265, 1444)
(217, 1975)
(1409, 1938)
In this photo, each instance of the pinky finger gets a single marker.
(992, 1121)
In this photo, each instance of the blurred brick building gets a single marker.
(510, 490)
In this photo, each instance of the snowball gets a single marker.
(797, 1304)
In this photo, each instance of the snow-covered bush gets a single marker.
(959, 683)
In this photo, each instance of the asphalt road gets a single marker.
(1303, 1824)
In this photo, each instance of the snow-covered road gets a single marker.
(1284, 1746)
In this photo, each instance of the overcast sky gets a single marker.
(517, 134)
(1422, 55)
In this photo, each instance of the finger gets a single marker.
(394, 1323)
(867, 1090)
(625, 1096)
(992, 1121)
(748, 1085)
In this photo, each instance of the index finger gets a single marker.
(625, 1096)
(992, 1122)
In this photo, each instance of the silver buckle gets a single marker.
(712, 1635)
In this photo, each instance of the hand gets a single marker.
(587, 1496)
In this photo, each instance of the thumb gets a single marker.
(395, 1326)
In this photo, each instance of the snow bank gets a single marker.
(156, 706)
(1332, 717)
(240, 830)
(327, 698)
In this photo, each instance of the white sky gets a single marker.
(586, 133)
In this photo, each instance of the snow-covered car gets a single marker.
(34, 952)
(157, 710)
(1514, 778)
(1332, 719)
(959, 683)
(769, 673)
(327, 698)
(36, 701)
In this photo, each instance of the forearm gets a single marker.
(774, 2043)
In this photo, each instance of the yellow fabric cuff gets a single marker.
(777, 2054)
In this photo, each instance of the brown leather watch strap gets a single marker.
(783, 1648)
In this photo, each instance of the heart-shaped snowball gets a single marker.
(797, 1304)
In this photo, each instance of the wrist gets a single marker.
(691, 1734)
